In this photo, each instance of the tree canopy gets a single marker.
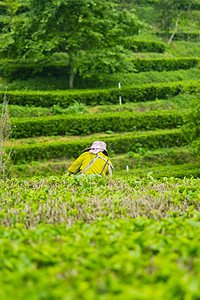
(91, 32)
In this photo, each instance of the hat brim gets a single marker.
(87, 149)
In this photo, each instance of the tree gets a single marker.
(169, 13)
(80, 28)
(12, 7)
(181, 6)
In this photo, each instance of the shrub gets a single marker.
(181, 36)
(54, 76)
(112, 80)
(133, 93)
(147, 46)
(119, 143)
(180, 171)
(165, 64)
(88, 124)
(191, 128)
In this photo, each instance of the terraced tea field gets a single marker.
(130, 130)
(133, 236)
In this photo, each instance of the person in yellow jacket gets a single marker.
(93, 160)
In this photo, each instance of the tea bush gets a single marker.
(57, 200)
(138, 259)
(97, 238)
(133, 93)
(88, 124)
(119, 143)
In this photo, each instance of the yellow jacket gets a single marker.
(85, 158)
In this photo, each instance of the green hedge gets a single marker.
(181, 36)
(121, 143)
(165, 64)
(88, 124)
(108, 80)
(180, 171)
(52, 169)
(112, 80)
(147, 46)
(12, 70)
(159, 158)
(133, 93)
(155, 158)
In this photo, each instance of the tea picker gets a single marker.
(93, 160)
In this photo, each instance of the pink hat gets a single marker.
(97, 145)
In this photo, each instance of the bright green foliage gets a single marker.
(132, 93)
(165, 162)
(192, 124)
(16, 111)
(181, 102)
(118, 143)
(57, 200)
(147, 46)
(11, 7)
(140, 259)
(88, 124)
(91, 32)
(181, 36)
(189, 170)
(169, 10)
(28, 76)
(13, 70)
(110, 80)
(133, 239)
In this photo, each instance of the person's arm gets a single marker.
(75, 166)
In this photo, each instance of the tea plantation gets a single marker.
(135, 235)
(100, 238)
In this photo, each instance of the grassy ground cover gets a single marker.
(97, 136)
(100, 238)
(49, 139)
(176, 49)
(185, 48)
(181, 102)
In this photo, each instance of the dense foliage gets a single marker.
(192, 124)
(118, 143)
(24, 70)
(55, 200)
(135, 235)
(88, 124)
(90, 32)
(97, 238)
(132, 93)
